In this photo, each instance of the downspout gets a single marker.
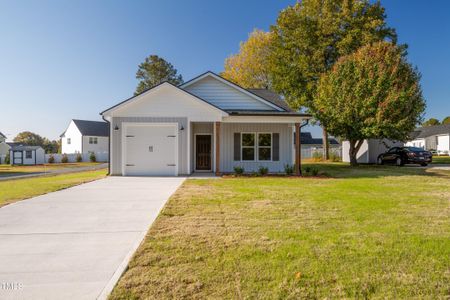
(109, 145)
(305, 123)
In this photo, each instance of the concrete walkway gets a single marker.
(75, 243)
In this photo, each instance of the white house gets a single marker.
(207, 124)
(4, 148)
(432, 138)
(369, 151)
(83, 136)
(310, 144)
(27, 155)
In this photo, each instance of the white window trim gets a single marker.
(256, 147)
(93, 140)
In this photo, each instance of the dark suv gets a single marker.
(405, 155)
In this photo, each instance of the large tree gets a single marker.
(29, 138)
(431, 122)
(446, 121)
(155, 70)
(310, 36)
(250, 68)
(373, 93)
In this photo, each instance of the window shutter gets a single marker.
(276, 147)
(237, 146)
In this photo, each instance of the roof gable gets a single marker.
(227, 95)
(2, 135)
(167, 100)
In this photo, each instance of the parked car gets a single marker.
(405, 155)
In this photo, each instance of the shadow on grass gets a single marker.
(5, 175)
(344, 170)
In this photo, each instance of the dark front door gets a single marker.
(203, 152)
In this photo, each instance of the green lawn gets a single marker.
(441, 159)
(7, 170)
(369, 232)
(15, 190)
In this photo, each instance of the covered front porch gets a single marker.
(219, 147)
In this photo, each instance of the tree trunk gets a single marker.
(355, 145)
(326, 144)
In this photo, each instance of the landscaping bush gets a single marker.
(314, 171)
(7, 159)
(239, 170)
(79, 158)
(64, 159)
(317, 156)
(289, 169)
(263, 170)
(307, 169)
(92, 157)
(334, 157)
(51, 159)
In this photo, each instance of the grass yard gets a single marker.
(7, 170)
(369, 232)
(15, 190)
(441, 160)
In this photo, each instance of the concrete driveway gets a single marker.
(74, 244)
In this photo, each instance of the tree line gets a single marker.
(336, 59)
(33, 139)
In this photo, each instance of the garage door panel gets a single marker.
(151, 150)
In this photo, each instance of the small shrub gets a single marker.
(263, 170)
(317, 156)
(289, 169)
(334, 157)
(239, 170)
(79, 158)
(51, 159)
(64, 159)
(92, 157)
(307, 169)
(314, 171)
(7, 159)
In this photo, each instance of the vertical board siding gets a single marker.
(224, 96)
(227, 162)
(116, 141)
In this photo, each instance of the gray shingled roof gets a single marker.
(427, 131)
(24, 148)
(307, 139)
(272, 97)
(92, 128)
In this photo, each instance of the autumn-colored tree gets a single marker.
(29, 138)
(431, 122)
(155, 70)
(250, 67)
(373, 93)
(446, 121)
(310, 36)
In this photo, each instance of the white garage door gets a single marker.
(151, 150)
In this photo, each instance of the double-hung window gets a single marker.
(93, 140)
(256, 146)
(264, 146)
(28, 154)
(68, 141)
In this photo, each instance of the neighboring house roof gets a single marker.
(272, 97)
(12, 144)
(24, 148)
(2, 135)
(92, 128)
(427, 131)
(307, 139)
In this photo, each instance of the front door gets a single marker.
(203, 152)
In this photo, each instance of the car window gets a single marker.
(392, 150)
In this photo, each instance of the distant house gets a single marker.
(369, 151)
(309, 144)
(432, 138)
(4, 148)
(83, 136)
(26, 155)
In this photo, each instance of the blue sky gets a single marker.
(72, 59)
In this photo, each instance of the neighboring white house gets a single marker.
(309, 145)
(369, 151)
(27, 155)
(83, 136)
(4, 148)
(432, 138)
(206, 124)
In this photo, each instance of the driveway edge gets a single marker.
(124, 264)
